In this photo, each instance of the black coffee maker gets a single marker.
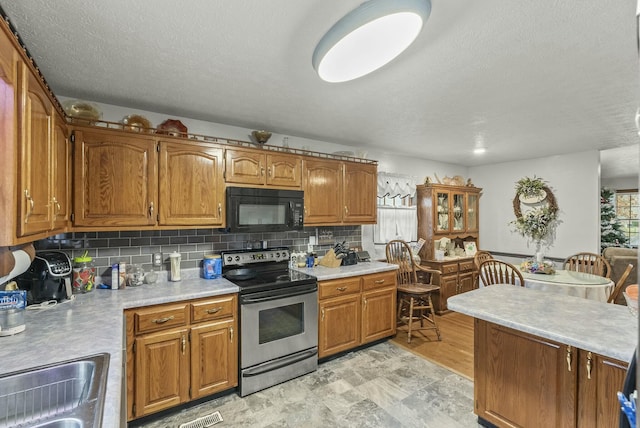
(48, 277)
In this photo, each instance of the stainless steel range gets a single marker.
(278, 317)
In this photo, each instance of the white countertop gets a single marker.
(93, 323)
(324, 273)
(604, 328)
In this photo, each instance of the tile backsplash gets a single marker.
(137, 247)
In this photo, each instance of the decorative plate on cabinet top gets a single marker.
(135, 122)
(77, 109)
(172, 127)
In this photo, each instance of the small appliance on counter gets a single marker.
(48, 278)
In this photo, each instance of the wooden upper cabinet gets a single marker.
(36, 121)
(257, 167)
(191, 184)
(115, 179)
(284, 170)
(360, 192)
(61, 174)
(322, 192)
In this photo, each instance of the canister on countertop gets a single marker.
(84, 274)
(174, 259)
(212, 266)
(12, 309)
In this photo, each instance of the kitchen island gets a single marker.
(545, 359)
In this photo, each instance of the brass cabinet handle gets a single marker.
(214, 310)
(341, 288)
(364, 301)
(151, 210)
(231, 333)
(380, 281)
(569, 357)
(322, 314)
(269, 171)
(589, 365)
(346, 210)
(220, 208)
(163, 320)
(261, 171)
(184, 344)
(31, 205)
(57, 206)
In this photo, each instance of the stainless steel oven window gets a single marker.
(254, 352)
(281, 322)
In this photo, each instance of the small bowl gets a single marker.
(261, 137)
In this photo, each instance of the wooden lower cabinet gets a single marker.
(180, 352)
(458, 276)
(354, 311)
(522, 380)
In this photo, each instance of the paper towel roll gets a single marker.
(22, 263)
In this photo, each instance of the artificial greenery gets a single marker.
(530, 187)
(611, 234)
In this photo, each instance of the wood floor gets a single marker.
(454, 351)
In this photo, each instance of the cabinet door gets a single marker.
(214, 358)
(448, 288)
(378, 314)
(35, 168)
(458, 212)
(161, 370)
(322, 192)
(338, 324)
(521, 380)
(191, 184)
(244, 166)
(441, 213)
(9, 60)
(472, 207)
(360, 193)
(599, 380)
(284, 170)
(465, 282)
(61, 174)
(115, 179)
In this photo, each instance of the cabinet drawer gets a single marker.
(160, 317)
(385, 279)
(211, 309)
(449, 268)
(338, 287)
(466, 265)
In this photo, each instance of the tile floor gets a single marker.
(380, 386)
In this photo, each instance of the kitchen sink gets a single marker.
(69, 394)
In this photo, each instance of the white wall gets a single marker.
(626, 183)
(574, 180)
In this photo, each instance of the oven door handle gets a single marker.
(278, 294)
(282, 362)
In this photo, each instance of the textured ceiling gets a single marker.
(524, 79)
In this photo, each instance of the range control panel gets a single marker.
(245, 257)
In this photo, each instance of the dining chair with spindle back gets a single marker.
(618, 288)
(414, 297)
(498, 272)
(480, 257)
(591, 263)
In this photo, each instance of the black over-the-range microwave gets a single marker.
(264, 210)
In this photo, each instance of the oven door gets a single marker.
(277, 323)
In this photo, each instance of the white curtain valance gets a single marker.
(396, 185)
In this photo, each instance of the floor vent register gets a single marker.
(204, 421)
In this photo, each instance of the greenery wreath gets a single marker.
(537, 223)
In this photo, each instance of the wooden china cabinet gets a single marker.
(451, 212)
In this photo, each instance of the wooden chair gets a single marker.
(414, 297)
(618, 288)
(591, 263)
(480, 257)
(499, 272)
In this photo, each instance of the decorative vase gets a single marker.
(539, 255)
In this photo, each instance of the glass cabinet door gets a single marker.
(442, 208)
(458, 212)
(472, 211)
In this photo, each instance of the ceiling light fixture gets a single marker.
(479, 150)
(369, 37)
